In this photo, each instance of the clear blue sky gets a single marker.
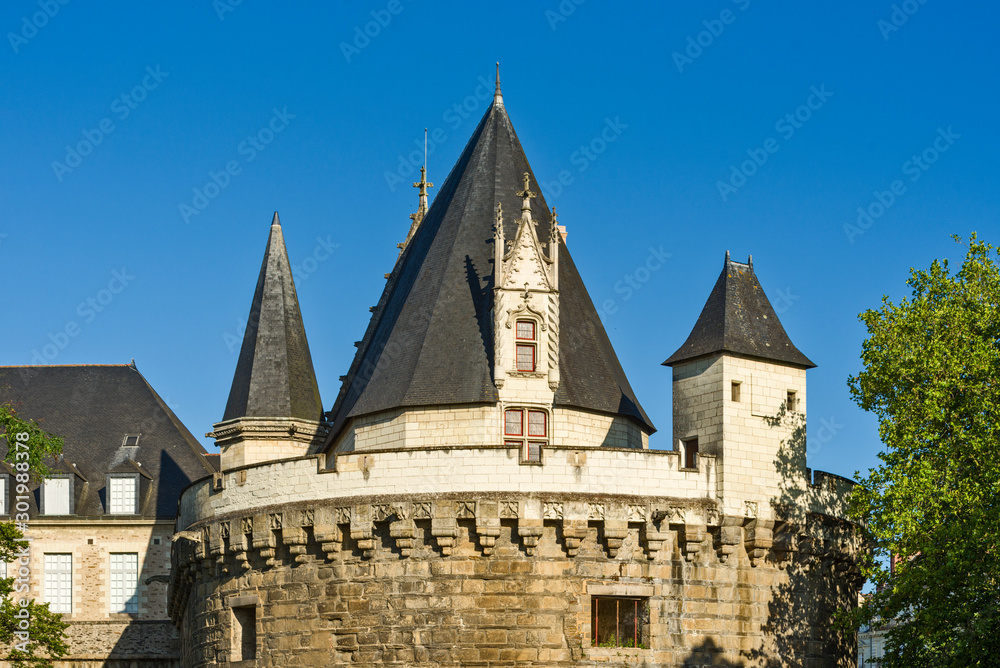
(161, 96)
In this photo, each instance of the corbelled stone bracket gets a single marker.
(729, 537)
(759, 539)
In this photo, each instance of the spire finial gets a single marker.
(727, 257)
(526, 196)
(275, 221)
(498, 96)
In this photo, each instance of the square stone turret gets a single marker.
(739, 393)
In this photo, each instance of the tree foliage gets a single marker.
(46, 629)
(932, 376)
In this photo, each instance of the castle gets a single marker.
(482, 492)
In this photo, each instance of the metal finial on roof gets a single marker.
(498, 96)
(526, 196)
(727, 257)
(750, 261)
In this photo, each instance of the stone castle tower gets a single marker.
(482, 491)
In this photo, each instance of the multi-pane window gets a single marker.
(618, 621)
(3, 495)
(121, 495)
(58, 582)
(56, 495)
(125, 582)
(531, 440)
(525, 345)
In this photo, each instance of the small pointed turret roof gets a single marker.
(274, 375)
(739, 319)
(430, 338)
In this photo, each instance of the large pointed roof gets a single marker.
(739, 319)
(274, 375)
(430, 339)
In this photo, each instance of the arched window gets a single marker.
(527, 343)
(528, 430)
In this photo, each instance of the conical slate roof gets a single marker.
(739, 319)
(274, 375)
(430, 340)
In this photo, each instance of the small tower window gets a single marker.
(792, 401)
(537, 433)
(691, 453)
(526, 342)
(736, 391)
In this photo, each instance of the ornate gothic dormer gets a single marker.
(526, 304)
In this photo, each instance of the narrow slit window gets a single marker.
(691, 453)
(791, 401)
(736, 391)
(244, 645)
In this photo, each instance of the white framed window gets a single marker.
(125, 582)
(56, 495)
(58, 582)
(122, 495)
(528, 430)
(3, 570)
(3, 496)
(130, 440)
(526, 344)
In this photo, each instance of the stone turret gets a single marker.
(274, 409)
(739, 394)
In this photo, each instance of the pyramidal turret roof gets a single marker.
(739, 319)
(430, 338)
(274, 375)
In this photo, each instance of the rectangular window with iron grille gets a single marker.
(619, 621)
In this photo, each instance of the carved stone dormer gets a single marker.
(526, 308)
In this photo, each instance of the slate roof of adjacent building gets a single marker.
(92, 408)
(274, 374)
(430, 339)
(739, 319)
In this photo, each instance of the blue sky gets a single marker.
(756, 127)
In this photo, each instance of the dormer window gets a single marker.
(528, 430)
(57, 496)
(526, 345)
(122, 494)
(131, 440)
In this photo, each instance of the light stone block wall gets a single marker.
(482, 425)
(760, 445)
(252, 451)
(451, 470)
(95, 633)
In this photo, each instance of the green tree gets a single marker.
(28, 446)
(932, 376)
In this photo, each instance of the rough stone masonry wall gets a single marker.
(507, 580)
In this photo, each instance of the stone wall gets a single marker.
(491, 580)
(96, 635)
